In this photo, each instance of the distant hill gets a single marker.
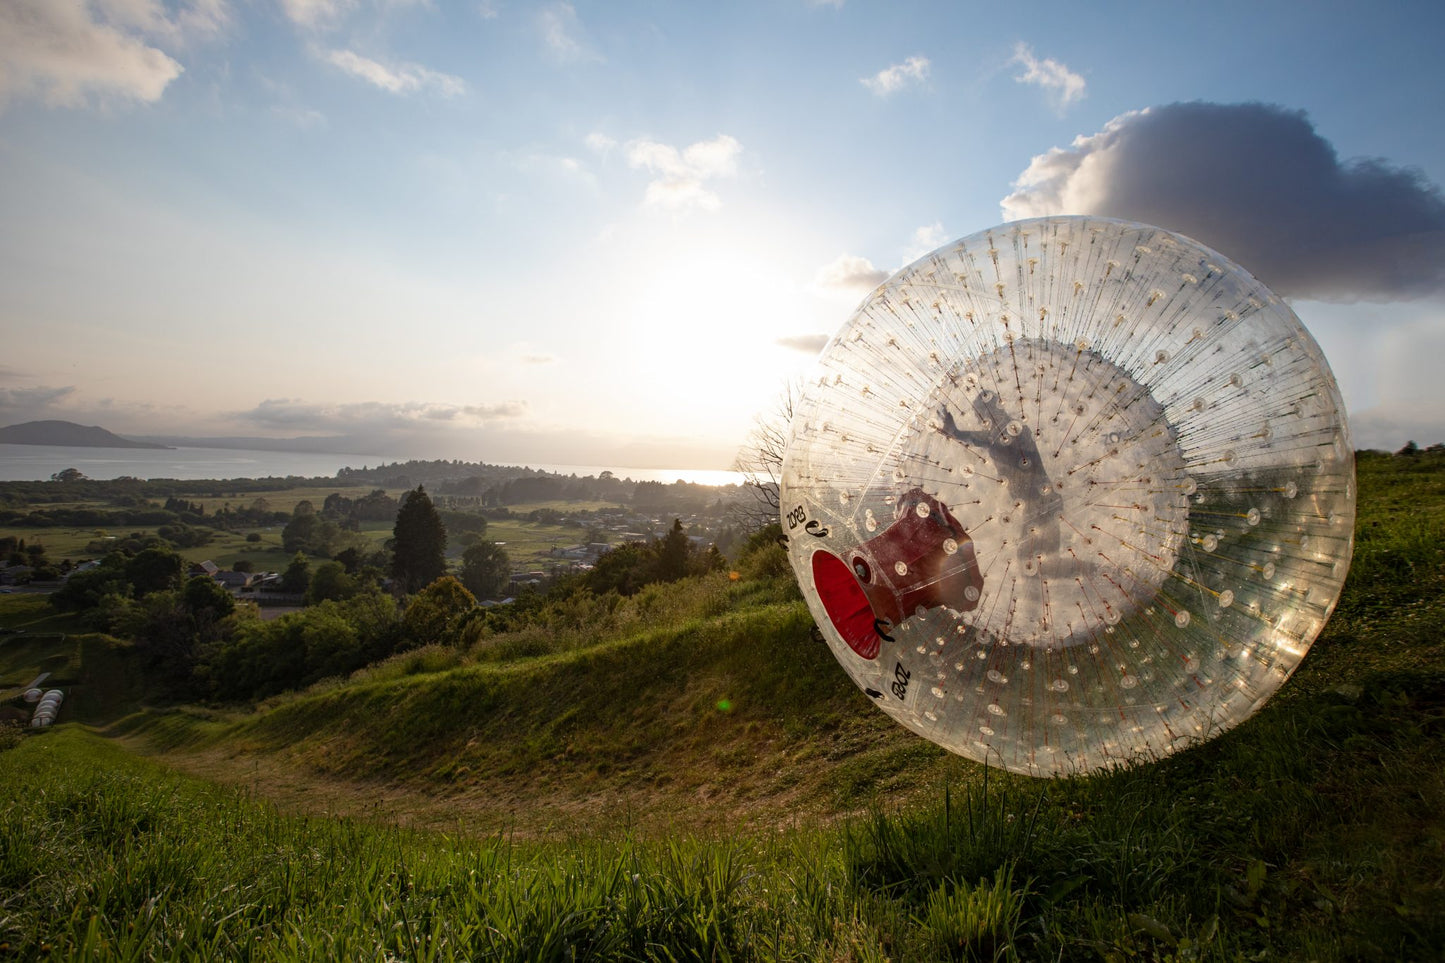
(66, 434)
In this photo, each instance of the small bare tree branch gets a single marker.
(761, 458)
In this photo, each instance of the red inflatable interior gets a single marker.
(845, 603)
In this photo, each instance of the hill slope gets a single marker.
(735, 715)
(66, 434)
(1313, 831)
(705, 701)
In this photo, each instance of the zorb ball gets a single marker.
(1070, 493)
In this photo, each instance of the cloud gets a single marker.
(551, 165)
(302, 117)
(30, 404)
(69, 403)
(682, 175)
(925, 240)
(806, 343)
(315, 14)
(489, 9)
(600, 143)
(892, 79)
(1258, 184)
(1387, 427)
(524, 352)
(401, 78)
(851, 273)
(501, 410)
(194, 20)
(59, 53)
(1062, 85)
(292, 415)
(563, 34)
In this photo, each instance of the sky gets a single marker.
(611, 233)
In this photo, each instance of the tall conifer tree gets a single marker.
(419, 553)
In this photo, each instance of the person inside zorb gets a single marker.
(1014, 455)
(1070, 492)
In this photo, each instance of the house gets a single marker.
(82, 567)
(234, 581)
(207, 568)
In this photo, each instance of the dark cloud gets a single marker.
(807, 343)
(33, 404)
(504, 409)
(1257, 183)
(37, 397)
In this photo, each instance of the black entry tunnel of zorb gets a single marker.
(1068, 493)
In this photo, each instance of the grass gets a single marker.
(688, 776)
(562, 505)
(1286, 839)
(33, 639)
(105, 856)
(73, 543)
(224, 549)
(528, 543)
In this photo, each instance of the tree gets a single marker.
(68, 475)
(302, 533)
(624, 569)
(486, 569)
(336, 507)
(761, 459)
(297, 576)
(164, 631)
(206, 600)
(672, 554)
(330, 581)
(350, 559)
(435, 610)
(311, 533)
(85, 589)
(153, 570)
(707, 561)
(419, 552)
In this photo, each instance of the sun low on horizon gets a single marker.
(612, 234)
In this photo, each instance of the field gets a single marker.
(528, 543)
(687, 775)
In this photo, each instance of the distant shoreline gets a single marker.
(40, 462)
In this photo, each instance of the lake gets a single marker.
(39, 462)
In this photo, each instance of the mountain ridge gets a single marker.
(67, 434)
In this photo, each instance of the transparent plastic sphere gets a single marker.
(1069, 493)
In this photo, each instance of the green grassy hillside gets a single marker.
(705, 691)
(686, 774)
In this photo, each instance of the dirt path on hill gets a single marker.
(525, 809)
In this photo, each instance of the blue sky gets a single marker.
(609, 233)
